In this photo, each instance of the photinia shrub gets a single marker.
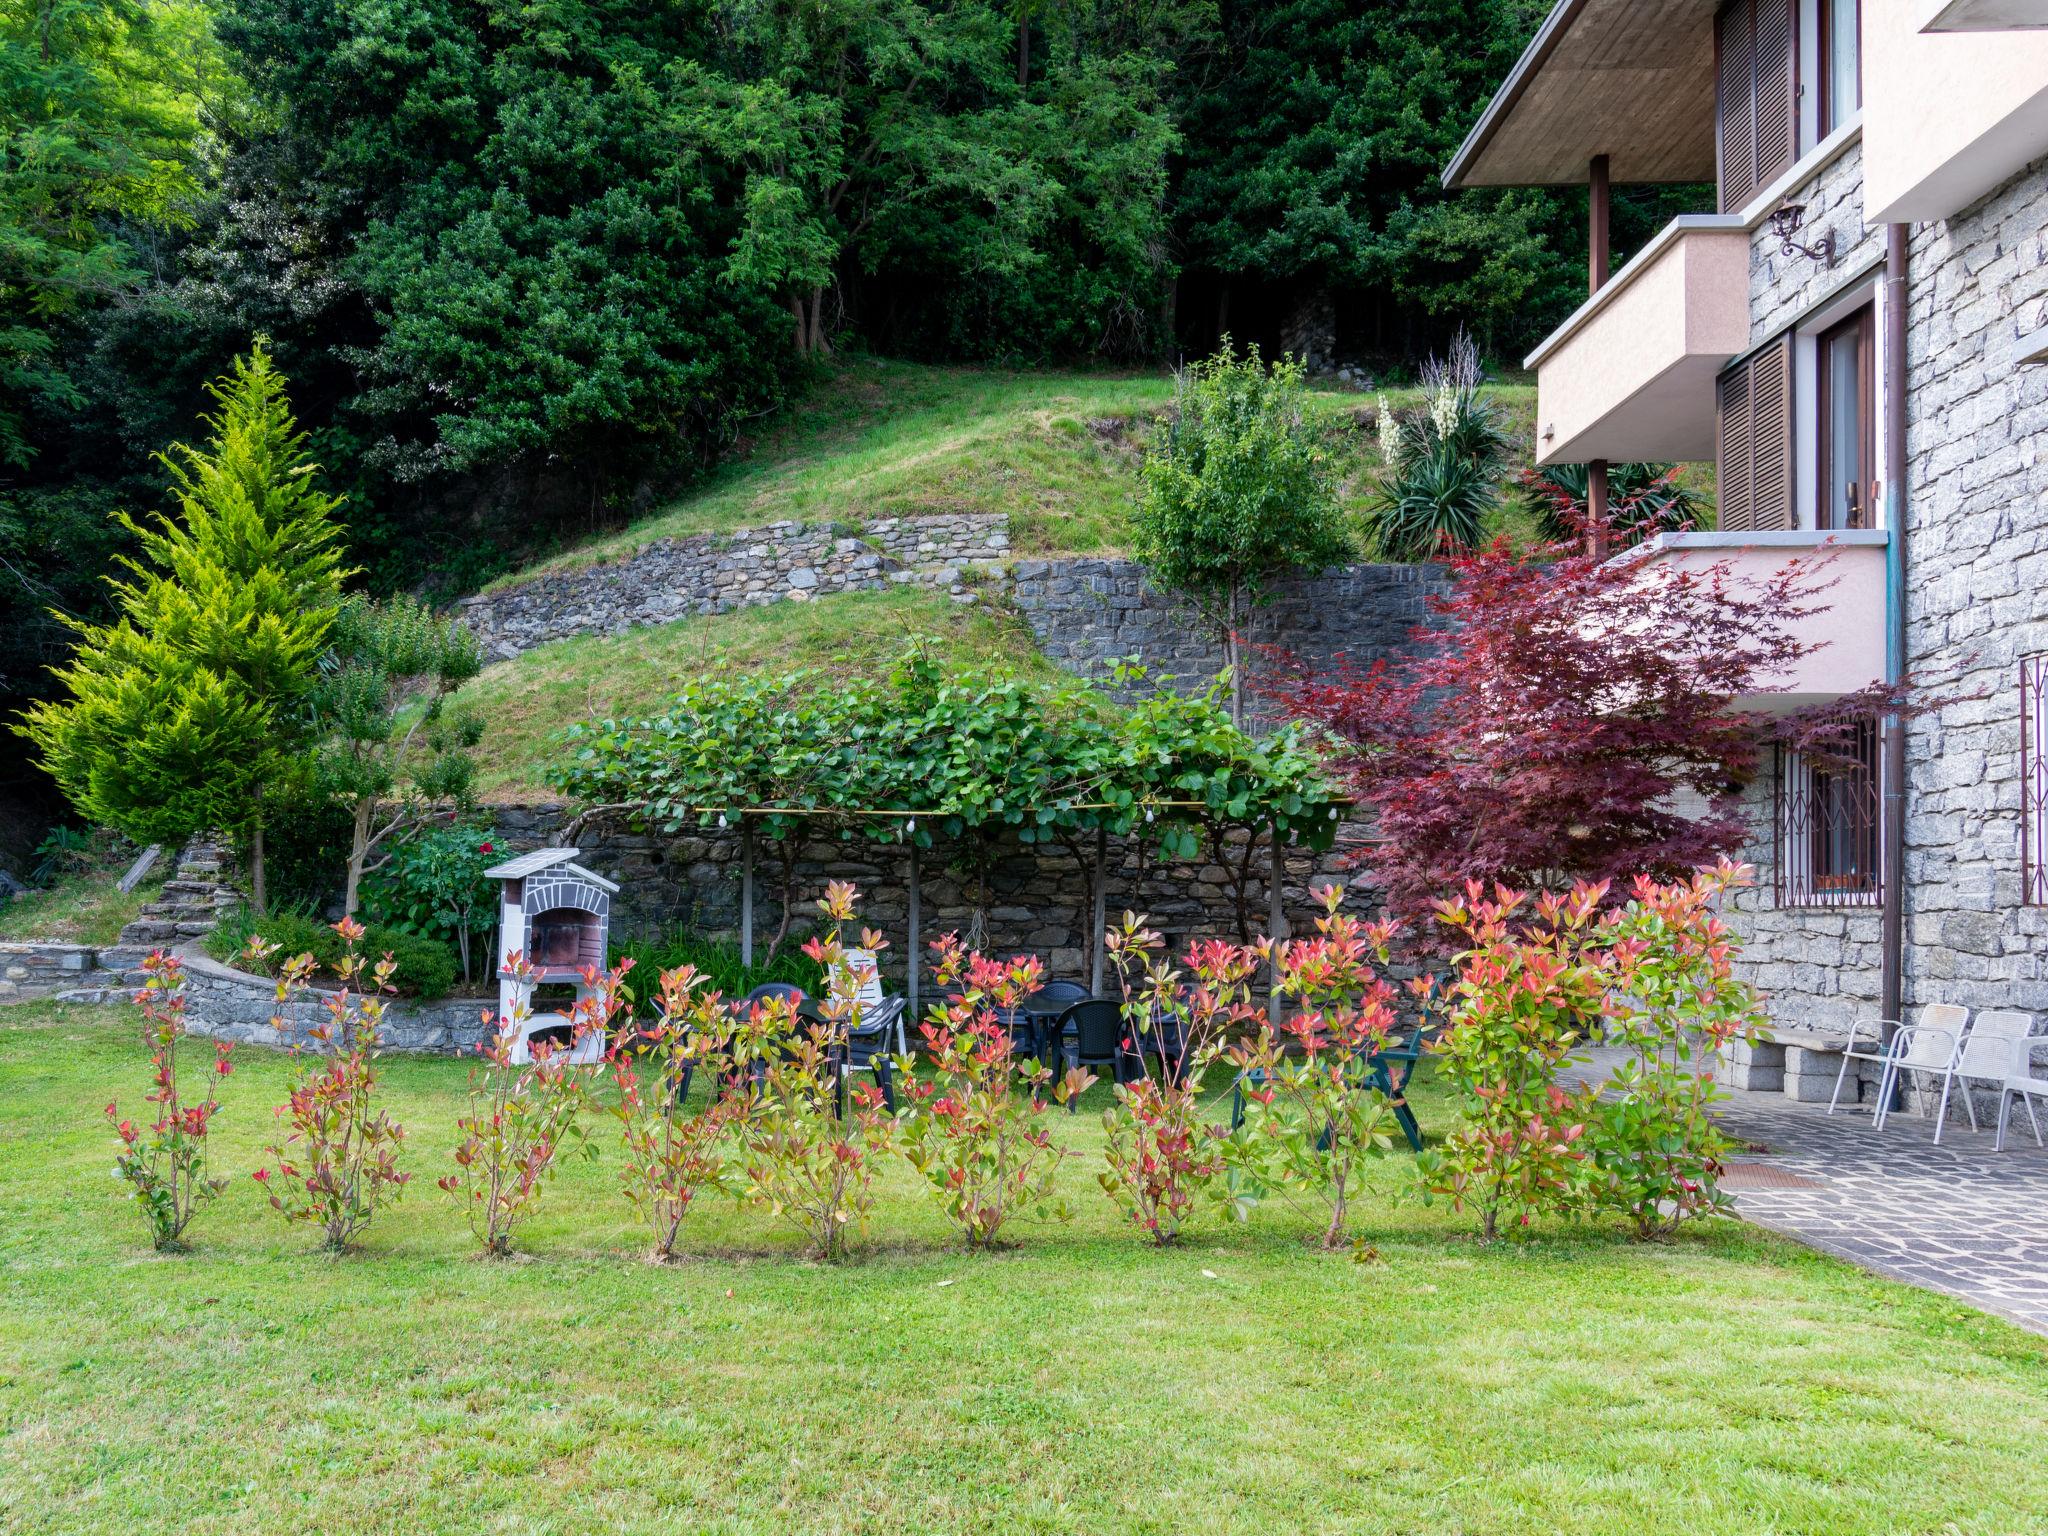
(1312, 1112)
(673, 1155)
(1527, 990)
(1164, 1159)
(804, 1163)
(1673, 1002)
(164, 1164)
(977, 1126)
(521, 1119)
(339, 1160)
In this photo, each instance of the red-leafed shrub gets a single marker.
(164, 1162)
(977, 1129)
(339, 1160)
(1566, 721)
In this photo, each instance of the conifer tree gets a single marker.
(181, 710)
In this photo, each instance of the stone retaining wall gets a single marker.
(1088, 614)
(715, 573)
(36, 968)
(1037, 901)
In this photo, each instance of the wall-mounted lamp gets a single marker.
(1786, 221)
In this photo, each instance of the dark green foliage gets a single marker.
(717, 960)
(1442, 464)
(427, 968)
(433, 885)
(1642, 500)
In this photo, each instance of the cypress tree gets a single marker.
(180, 711)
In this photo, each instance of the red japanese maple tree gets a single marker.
(1569, 720)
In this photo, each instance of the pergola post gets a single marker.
(1276, 923)
(911, 959)
(1099, 918)
(746, 891)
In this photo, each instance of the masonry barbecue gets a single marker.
(558, 915)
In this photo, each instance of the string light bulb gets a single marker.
(721, 821)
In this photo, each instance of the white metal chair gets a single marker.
(1928, 1047)
(2029, 1082)
(1931, 1044)
(1985, 1056)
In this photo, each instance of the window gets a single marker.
(1754, 400)
(1847, 448)
(2033, 780)
(1826, 847)
(1841, 62)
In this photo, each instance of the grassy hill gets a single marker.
(1056, 450)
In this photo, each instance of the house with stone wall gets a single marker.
(1854, 327)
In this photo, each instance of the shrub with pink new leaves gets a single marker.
(804, 1163)
(674, 1154)
(977, 1127)
(1526, 993)
(522, 1118)
(1165, 1160)
(1673, 1002)
(339, 1160)
(1312, 1112)
(164, 1162)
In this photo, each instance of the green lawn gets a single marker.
(1724, 1383)
(876, 439)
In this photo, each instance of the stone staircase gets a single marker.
(195, 897)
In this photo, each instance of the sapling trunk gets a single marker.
(358, 855)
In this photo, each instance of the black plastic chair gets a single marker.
(865, 1049)
(1034, 1023)
(1091, 1034)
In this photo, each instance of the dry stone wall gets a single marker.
(673, 579)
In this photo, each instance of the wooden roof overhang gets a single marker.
(1629, 79)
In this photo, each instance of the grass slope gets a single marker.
(1726, 1382)
(85, 908)
(881, 439)
(527, 702)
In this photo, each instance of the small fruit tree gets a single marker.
(1236, 491)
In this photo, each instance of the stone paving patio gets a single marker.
(1958, 1218)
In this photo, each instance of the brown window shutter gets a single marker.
(1736, 497)
(1735, 103)
(1770, 434)
(1755, 441)
(1776, 62)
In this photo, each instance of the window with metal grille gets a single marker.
(1826, 847)
(2033, 780)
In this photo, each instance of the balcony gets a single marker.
(1631, 374)
(1949, 114)
(1847, 633)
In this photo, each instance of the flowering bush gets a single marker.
(433, 886)
(1673, 1002)
(1526, 992)
(671, 1155)
(1164, 1160)
(522, 1118)
(340, 1158)
(164, 1165)
(1312, 1112)
(981, 1143)
(804, 1163)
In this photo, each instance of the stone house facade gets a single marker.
(1854, 334)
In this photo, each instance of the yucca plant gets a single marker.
(1442, 464)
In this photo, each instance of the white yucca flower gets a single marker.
(1390, 433)
(1443, 410)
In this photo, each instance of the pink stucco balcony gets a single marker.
(1847, 630)
(1631, 374)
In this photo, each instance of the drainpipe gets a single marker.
(1599, 200)
(1892, 857)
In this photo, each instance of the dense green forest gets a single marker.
(528, 265)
